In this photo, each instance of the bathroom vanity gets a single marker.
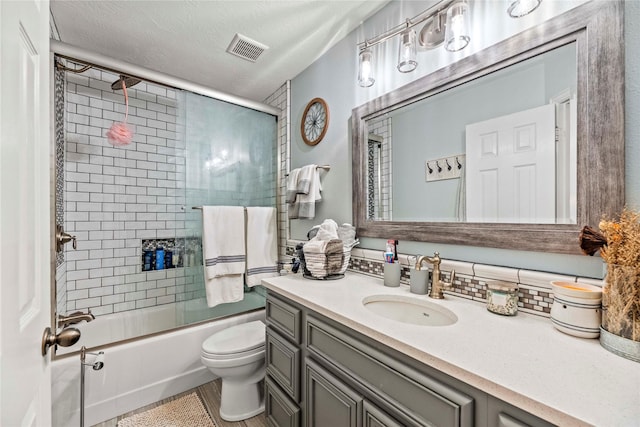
(333, 362)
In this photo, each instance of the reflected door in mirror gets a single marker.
(511, 168)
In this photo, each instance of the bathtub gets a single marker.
(113, 328)
(135, 373)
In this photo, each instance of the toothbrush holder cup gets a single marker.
(392, 274)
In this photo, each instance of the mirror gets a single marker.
(469, 154)
(445, 148)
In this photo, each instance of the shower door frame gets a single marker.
(74, 53)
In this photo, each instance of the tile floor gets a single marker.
(209, 394)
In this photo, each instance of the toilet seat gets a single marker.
(238, 355)
(237, 341)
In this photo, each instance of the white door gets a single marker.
(511, 168)
(25, 261)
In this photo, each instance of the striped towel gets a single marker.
(223, 240)
(262, 244)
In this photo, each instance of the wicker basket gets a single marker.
(345, 261)
(340, 260)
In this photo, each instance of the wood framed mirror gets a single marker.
(589, 175)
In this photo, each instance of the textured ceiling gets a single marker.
(188, 39)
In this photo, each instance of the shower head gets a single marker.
(128, 82)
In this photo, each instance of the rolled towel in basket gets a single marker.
(323, 257)
(335, 255)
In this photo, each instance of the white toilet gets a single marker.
(237, 356)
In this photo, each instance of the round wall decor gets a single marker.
(315, 121)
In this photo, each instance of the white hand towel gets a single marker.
(306, 208)
(262, 244)
(224, 289)
(292, 185)
(305, 179)
(328, 230)
(223, 241)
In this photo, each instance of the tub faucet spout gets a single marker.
(76, 317)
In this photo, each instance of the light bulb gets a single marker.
(407, 53)
(365, 72)
(457, 27)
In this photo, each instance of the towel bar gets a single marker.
(324, 167)
(200, 208)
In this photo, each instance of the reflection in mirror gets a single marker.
(564, 76)
(500, 148)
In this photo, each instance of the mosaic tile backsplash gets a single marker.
(534, 295)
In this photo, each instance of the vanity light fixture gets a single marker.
(365, 71)
(407, 52)
(454, 32)
(518, 8)
(429, 38)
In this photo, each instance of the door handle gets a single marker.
(67, 337)
(63, 238)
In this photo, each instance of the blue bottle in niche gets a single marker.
(160, 258)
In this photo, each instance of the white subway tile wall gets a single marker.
(281, 100)
(114, 197)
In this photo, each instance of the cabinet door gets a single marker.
(372, 416)
(283, 363)
(279, 410)
(328, 401)
(501, 414)
(284, 317)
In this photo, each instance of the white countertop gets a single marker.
(520, 359)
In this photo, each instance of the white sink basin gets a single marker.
(410, 310)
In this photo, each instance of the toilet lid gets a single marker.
(236, 339)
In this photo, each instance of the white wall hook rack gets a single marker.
(444, 168)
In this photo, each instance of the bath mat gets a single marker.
(186, 411)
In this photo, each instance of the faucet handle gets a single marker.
(453, 276)
(449, 285)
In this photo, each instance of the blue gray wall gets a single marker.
(333, 77)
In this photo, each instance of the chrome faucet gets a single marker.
(437, 285)
(77, 317)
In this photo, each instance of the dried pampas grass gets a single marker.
(621, 294)
(621, 302)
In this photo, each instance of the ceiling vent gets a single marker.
(246, 48)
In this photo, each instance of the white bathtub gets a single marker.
(135, 374)
(112, 328)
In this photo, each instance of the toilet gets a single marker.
(237, 356)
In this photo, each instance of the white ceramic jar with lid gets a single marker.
(576, 308)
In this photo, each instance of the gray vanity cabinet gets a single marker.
(321, 373)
